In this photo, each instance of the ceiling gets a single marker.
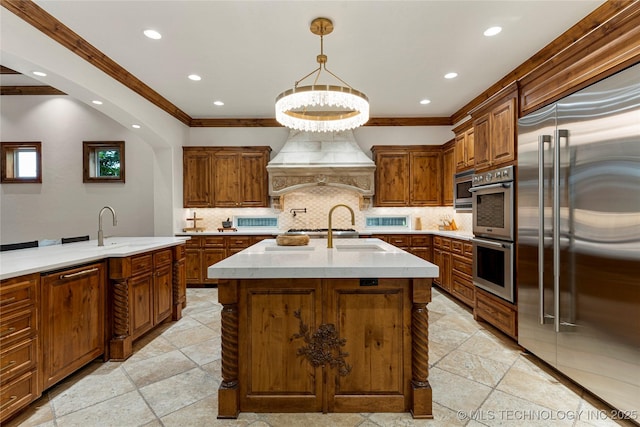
(247, 52)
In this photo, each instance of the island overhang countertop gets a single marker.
(349, 258)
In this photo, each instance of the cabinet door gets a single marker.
(73, 310)
(446, 271)
(392, 179)
(277, 377)
(460, 151)
(448, 170)
(193, 266)
(253, 179)
(162, 294)
(140, 304)
(211, 256)
(375, 323)
(469, 148)
(437, 260)
(426, 183)
(226, 179)
(197, 182)
(482, 148)
(503, 119)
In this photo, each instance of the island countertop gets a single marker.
(47, 258)
(349, 258)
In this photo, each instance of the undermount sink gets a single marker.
(289, 248)
(360, 248)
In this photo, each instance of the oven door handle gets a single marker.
(486, 187)
(489, 243)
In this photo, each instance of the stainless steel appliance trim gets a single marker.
(508, 292)
(489, 243)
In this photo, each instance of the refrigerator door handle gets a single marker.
(542, 140)
(560, 133)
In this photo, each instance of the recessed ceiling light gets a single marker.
(451, 75)
(153, 34)
(218, 103)
(95, 101)
(135, 126)
(492, 31)
(40, 73)
(425, 101)
(195, 77)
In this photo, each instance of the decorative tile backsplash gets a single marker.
(318, 201)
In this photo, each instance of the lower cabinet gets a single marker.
(73, 320)
(19, 343)
(203, 251)
(497, 312)
(325, 345)
(143, 289)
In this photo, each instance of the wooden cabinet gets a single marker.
(408, 175)
(203, 251)
(73, 320)
(495, 132)
(442, 258)
(225, 177)
(462, 271)
(497, 312)
(197, 168)
(143, 288)
(421, 246)
(19, 343)
(465, 149)
(280, 332)
(448, 172)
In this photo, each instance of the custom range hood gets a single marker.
(321, 158)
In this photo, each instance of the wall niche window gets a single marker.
(103, 161)
(21, 162)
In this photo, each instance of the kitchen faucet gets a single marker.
(100, 232)
(330, 231)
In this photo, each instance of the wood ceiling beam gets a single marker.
(30, 90)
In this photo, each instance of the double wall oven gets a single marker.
(493, 228)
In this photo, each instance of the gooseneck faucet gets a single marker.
(100, 232)
(330, 231)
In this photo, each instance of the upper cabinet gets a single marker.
(464, 147)
(225, 177)
(494, 131)
(407, 175)
(448, 171)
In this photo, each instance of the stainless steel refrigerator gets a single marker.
(578, 237)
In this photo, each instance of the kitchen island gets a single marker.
(310, 329)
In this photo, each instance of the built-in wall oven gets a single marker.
(462, 197)
(493, 228)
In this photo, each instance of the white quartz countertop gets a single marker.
(47, 258)
(349, 258)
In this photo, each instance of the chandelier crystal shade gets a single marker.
(322, 108)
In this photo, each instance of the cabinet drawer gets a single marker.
(457, 247)
(462, 265)
(496, 313)
(239, 242)
(399, 240)
(141, 264)
(18, 292)
(18, 358)
(442, 242)
(20, 324)
(194, 242)
(463, 289)
(420, 241)
(468, 250)
(18, 394)
(162, 257)
(214, 241)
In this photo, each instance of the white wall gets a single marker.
(63, 205)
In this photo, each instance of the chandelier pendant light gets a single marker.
(319, 107)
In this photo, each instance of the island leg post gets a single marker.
(421, 405)
(229, 392)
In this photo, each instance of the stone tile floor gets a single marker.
(479, 378)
